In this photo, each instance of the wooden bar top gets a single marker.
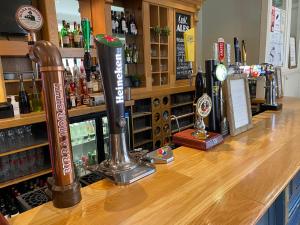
(233, 184)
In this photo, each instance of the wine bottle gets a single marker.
(64, 35)
(123, 24)
(113, 22)
(24, 103)
(71, 36)
(36, 98)
(237, 51)
(244, 53)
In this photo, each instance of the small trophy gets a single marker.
(199, 138)
(203, 108)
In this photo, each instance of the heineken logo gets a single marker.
(119, 75)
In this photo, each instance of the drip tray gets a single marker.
(33, 199)
(90, 178)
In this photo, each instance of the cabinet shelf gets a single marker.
(183, 128)
(75, 52)
(140, 114)
(42, 144)
(146, 141)
(141, 130)
(182, 104)
(185, 115)
(24, 178)
(17, 81)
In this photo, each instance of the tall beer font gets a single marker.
(64, 189)
(120, 168)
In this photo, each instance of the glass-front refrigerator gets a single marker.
(90, 140)
(105, 132)
(86, 141)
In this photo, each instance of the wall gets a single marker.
(227, 19)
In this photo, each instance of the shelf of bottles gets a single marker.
(125, 27)
(79, 92)
(159, 45)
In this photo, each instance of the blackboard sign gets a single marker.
(183, 68)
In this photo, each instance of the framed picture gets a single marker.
(292, 53)
(278, 78)
(238, 104)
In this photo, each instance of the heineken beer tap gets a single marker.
(120, 168)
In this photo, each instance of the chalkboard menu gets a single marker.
(183, 68)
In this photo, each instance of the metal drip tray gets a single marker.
(129, 176)
(33, 199)
(90, 179)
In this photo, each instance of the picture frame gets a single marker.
(278, 78)
(292, 53)
(238, 104)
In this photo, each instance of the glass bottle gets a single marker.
(123, 24)
(24, 103)
(71, 36)
(64, 35)
(133, 27)
(113, 24)
(76, 36)
(36, 99)
(117, 22)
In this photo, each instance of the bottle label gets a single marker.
(133, 28)
(113, 25)
(77, 38)
(73, 101)
(66, 40)
(124, 26)
(95, 86)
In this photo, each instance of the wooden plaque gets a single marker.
(238, 103)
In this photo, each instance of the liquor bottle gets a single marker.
(113, 23)
(133, 27)
(64, 35)
(135, 54)
(76, 74)
(77, 36)
(237, 51)
(36, 98)
(124, 29)
(23, 98)
(117, 22)
(71, 36)
(244, 53)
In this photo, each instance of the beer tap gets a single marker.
(63, 187)
(119, 167)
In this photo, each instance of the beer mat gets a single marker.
(185, 138)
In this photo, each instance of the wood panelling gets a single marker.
(232, 184)
(98, 16)
(13, 48)
(49, 30)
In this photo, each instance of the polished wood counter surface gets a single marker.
(233, 184)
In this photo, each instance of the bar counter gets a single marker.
(235, 183)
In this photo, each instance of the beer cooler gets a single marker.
(90, 142)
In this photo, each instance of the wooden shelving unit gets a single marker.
(159, 46)
(24, 178)
(143, 142)
(43, 143)
(182, 104)
(75, 52)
